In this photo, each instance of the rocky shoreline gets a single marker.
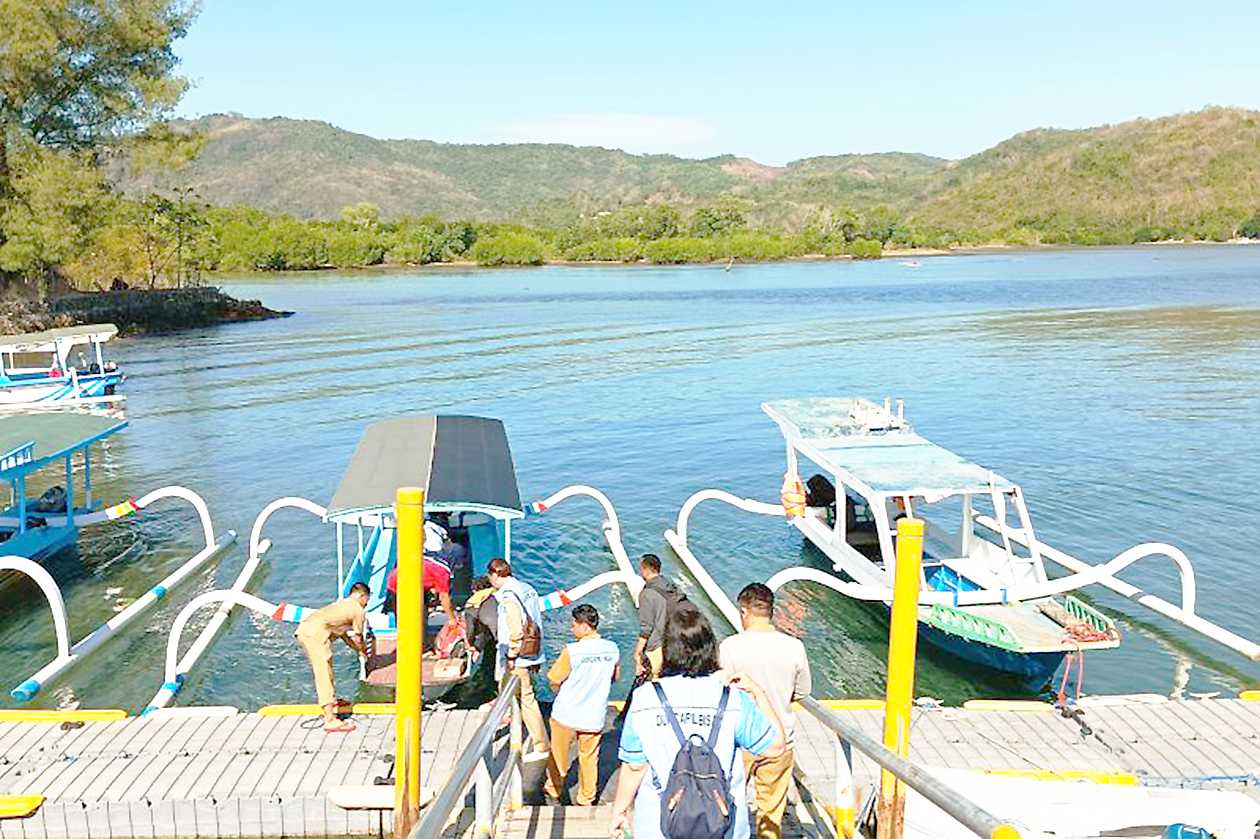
(134, 311)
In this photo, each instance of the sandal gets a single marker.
(342, 727)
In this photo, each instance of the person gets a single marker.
(517, 603)
(582, 677)
(481, 612)
(658, 598)
(777, 662)
(435, 576)
(343, 619)
(694, 690)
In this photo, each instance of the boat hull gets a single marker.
(83, 388)
(1034, 670)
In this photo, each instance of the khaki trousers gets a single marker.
(655, 658)
(562, 738)
(319, 653)
(772, 777)
(531, 714)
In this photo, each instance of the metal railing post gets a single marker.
(516, 755)
(902, 635)
(483, 798)
(409, 516)
(846, 800)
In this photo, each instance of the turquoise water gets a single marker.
(1120, 387)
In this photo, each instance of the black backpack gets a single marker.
(696, 802)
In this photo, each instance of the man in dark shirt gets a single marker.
(658, 599)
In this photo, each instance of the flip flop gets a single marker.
(343, 727)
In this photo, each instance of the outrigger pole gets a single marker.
(68, 656)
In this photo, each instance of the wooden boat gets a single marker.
(46, 368)
(985, 596)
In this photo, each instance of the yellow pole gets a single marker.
(409, 516)
(902, 635)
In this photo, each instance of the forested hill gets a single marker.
(1193, 175)
(312, 170)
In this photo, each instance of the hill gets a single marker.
(1195, 175)
(312, 169)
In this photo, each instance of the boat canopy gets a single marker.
(462, 463)
(49, 339)
(28, 442)
(857, 438)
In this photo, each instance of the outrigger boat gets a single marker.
(465, 466)
(985, 596)
(36, 528)
(44, 368)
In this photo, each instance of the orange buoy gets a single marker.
(792, 496)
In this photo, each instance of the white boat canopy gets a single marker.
(856, 438)
(50, 339)
(463, 463)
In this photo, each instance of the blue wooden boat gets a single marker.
(38, 527)
(58, 368)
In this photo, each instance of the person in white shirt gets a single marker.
(694, 690)
(777, 662)
(583, 675)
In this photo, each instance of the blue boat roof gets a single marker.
(31, 441)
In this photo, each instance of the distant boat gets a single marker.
(910, 263)
(36, 368)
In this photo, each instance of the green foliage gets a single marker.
(623, 249)
(365, 215)
(717, 221)
(509, 248)
(1250, 228)
(865, 249)
(354, 247)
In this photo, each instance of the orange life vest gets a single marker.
(792, 496)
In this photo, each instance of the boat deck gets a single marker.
(195, 774)
(1209, 743)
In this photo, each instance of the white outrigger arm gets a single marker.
(68, 655)
(1083, 573)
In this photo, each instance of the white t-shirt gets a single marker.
(647, 737)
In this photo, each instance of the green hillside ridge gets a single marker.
(1194, 175)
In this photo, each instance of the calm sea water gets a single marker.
(1121, 388)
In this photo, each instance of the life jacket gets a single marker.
(792, 496)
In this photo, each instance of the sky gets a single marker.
(771, 81)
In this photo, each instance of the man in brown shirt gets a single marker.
(343, 619)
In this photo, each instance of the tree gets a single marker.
(1251, 228)
(365, 215)
(76, 76)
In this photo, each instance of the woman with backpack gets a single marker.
(680, 764)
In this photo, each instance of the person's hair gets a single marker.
(361, 588)
(758, 599)
(481, 582)
(651, 562)
(499, 568)
(689, 647)
(586, 614)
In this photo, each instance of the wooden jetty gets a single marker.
(214, 772)
(207, 772)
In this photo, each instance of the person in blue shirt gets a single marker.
(693, 688)
(582, 677)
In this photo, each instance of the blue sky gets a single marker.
(770, 81)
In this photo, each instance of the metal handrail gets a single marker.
(971, 816)
(475, 756)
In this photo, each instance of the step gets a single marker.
(558, 823)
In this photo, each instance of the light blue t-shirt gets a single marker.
(647, 737)
(582, 702)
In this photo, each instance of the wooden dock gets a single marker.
(215, 773)
(201, 773)
(1196, 744)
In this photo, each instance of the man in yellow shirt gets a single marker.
(343, 619)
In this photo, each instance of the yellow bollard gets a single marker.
(409, 515)
(902, 635)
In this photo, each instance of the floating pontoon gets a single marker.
(985, 595)
(46, 368)
(465, 466)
